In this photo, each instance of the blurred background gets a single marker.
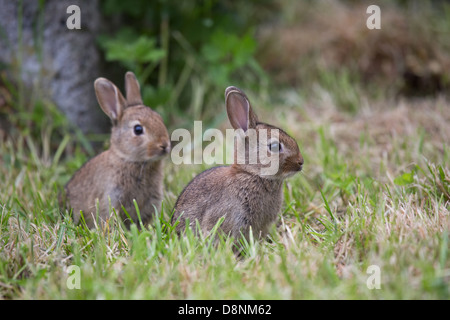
(283, 53)
(369, 109)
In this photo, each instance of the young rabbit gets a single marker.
(131, 168)
(243, 193)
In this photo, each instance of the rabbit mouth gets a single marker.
(159, 152)
(290, 173)
(157, 156)
(291, 170)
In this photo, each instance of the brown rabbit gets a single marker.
(131, 168)
(243, 193)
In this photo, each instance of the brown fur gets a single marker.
(131, 168)
(239, 193)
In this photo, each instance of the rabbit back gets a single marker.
(242, 199)
(115, 186)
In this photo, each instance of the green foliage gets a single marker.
(133, 52)
(405, 178)
(185, 55)
(228, 53)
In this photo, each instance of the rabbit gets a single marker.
(240, 192)
(132, 167)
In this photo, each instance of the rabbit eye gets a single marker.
(274, 146)
(138, 130)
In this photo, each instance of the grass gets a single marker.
(375, 191)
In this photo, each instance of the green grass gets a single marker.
(375, 190)
(371, 193)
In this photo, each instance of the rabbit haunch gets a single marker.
(131, 169)
(240, 193)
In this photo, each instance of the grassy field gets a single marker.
(375, 191)
(367, 218)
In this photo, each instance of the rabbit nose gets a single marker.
(300, 163)
(165, 147)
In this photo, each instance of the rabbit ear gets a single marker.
(239, 110)
(132, 89)
(110, 98)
